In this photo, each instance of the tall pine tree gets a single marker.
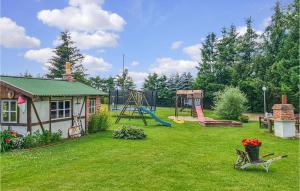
(66, 52)
(247, 49)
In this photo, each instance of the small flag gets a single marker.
(22, 103)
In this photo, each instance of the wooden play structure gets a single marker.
(192, 101)
(137, 105)
(188, 100)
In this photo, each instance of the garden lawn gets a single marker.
(184, 157)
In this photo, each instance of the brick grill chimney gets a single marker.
(283, 99)
(68, 76)
(283, 111)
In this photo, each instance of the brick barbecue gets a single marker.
(283, 111)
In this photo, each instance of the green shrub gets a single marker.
(127, 132)
(244, 118)
(30, 141)
(43, 138)
(9, 139)
(56, 136)
(230, 103)
(100, 121)
(18, 143)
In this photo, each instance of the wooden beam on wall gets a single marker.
(50, 129)
(86, 113)
(28, 105)
(72, 115)
(38, 117)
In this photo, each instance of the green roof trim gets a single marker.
(50, 87)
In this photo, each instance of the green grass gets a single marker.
(184, 157)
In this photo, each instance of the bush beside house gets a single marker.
(99, 121)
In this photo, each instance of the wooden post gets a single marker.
(38, 117)
(176, 106)
(72, 116)
(109, 100)
(49, 113)
(28, 105)
(193, 105)
(86, 113)
(259, 120)
(269, 125)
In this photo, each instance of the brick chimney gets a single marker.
(68, 76)
(283, 111)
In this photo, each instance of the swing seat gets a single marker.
(243, 161)
(178, 121)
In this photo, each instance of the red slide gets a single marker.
(200, 114)
(205, 122)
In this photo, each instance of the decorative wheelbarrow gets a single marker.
(251, 156)
(244, 160)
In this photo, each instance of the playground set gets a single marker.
(193, 100)
(136, 104)
(133, 104)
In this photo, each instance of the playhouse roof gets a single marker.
(48, 87)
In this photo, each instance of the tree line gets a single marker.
(248, 61)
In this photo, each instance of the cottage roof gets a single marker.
(48, 87)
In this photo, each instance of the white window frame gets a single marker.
(93, 104)
(9, 111)
(58, 109)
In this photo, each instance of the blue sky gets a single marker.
(155, 35)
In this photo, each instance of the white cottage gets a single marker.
(50, 104)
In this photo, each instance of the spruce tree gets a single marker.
(284, 73)
(226, 57)
(124, 81)
(247, 49)
(66, 51)
(151, 82)
(205, 79)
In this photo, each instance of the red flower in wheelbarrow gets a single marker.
(252, 142)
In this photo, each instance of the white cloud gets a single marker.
(91, 63)
(171, 66)
(266, 22)
(41, 55)
(82, 15)
(176, 45)
(85, 40)
(138, 77)
(194, 51)
(135, 63)
(14, 36)
(241, 30)
(94, 64)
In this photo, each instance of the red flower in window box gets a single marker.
(7, 140)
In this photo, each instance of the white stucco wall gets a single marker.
(42, 106)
